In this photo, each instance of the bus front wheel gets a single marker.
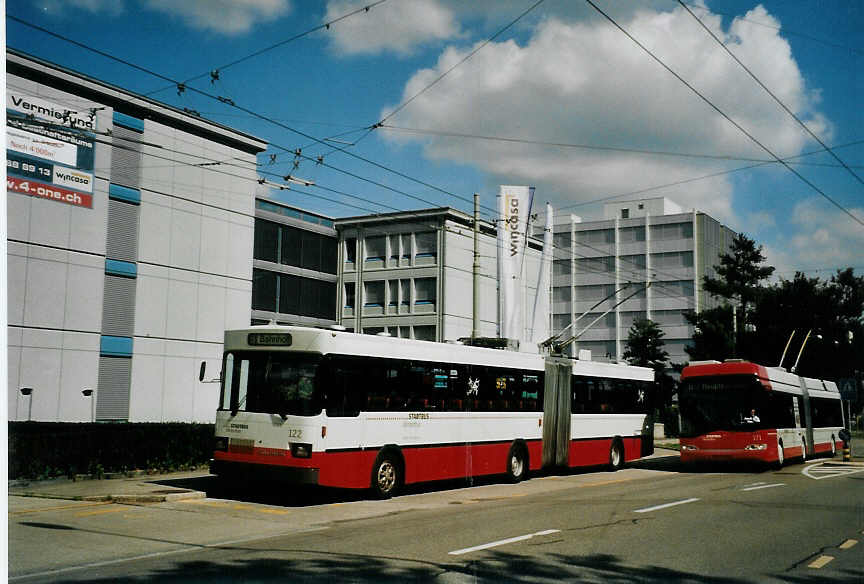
(386, 476)
(780, 457)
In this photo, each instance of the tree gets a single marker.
(645, 346)
(645, 349)
(740, 276)
(713, 336)
(831, 310)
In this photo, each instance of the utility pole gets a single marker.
(475, 328)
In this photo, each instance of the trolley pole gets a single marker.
(475, 328)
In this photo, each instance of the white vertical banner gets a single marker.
(514, 207)
(540, 317)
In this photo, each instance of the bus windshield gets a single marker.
(271, 382)
(723, 403)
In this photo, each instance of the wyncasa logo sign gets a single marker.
(52, 112)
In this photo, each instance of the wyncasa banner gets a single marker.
(514, 208)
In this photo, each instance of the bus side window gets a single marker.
(346, 386)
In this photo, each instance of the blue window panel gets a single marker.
(115, 346)
(128, 122)
(124, 194)
(121, 268)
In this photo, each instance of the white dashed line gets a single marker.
(756, 488)
(493, 544)
(664, 506)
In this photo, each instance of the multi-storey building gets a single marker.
(409, 274)
(130, 230)
(651, 249)
(295, 266)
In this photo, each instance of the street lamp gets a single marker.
(92, 395)
(28, 391)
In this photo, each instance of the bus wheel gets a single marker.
(780, 457)
(803, 451)
(517, 463)
(386, 476)
(616, 456)
(833, 447)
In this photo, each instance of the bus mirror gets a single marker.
(202, 370)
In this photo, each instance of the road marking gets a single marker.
(764, 487)
(493, 544)
(605, 483)
(117, 509)
(828, 472)
(59, 508)
(820, 562)
(848, 544)
(664, 506)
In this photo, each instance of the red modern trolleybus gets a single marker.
(741, 411)
(340, 409)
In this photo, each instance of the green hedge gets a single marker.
(47, 449)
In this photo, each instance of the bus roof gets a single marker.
(329, 341)
(774, 378)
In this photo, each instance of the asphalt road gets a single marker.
(652, 522)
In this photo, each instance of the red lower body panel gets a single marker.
(353, 468)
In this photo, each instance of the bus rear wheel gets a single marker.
(386, 476)
(616, 456)
(517, 463)
(780, 457)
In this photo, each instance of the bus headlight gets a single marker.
(687, 447)
(756, 447)
(301, 450)
(220, 444)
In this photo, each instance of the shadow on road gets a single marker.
(297, 565)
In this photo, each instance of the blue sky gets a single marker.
(561, 74)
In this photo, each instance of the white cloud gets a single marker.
(223, 16)
(584, 82)
(824, 238)
(398, 26)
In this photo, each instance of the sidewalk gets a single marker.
(146, 488)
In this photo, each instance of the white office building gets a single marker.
(130, 232)
(651, 250)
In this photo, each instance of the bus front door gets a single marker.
(556, 412)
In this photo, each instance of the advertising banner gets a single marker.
(41, 147)
(49, 150)
(49, 111)
(514, 207)
(44, 191)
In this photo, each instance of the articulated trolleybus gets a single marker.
(741, 411)
(339, 409)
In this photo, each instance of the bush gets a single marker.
(39, 450)
(670, 422)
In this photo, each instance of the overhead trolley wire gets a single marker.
(725, 115)
(771, 93)
(257, 115)
(259, 52)
(721, 157)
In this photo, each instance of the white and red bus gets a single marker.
(741, 411)
(339, 409)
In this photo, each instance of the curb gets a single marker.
(121, 498)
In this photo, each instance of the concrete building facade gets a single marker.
(129, 249)
(409, 274)
(642, 242)
(295, 266)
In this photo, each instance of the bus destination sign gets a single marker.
(269, 339)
